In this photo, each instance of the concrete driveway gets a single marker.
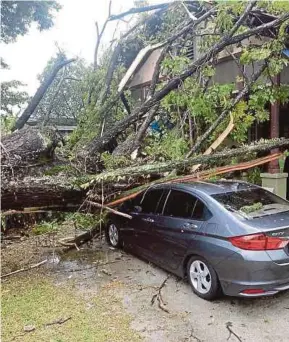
(177, 314)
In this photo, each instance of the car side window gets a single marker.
(201, 212)
(131, 203)
(162, 201)
(180, 204)
(150, 201)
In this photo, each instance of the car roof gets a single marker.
(212, 187)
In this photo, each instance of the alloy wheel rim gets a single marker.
(200, 277)
(113, 234)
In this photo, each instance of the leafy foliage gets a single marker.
(12, 100)
(169, 147)
(17, 17)
(12, 97)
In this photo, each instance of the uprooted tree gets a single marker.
(111, 150)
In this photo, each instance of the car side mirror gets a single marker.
(137, 209)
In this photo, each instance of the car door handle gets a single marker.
(148, 219)
(190, 226)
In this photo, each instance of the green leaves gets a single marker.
(17, 17)
(250, 55)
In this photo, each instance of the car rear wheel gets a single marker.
(203, 278)
(112, 235)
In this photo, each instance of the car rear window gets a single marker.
(252, 203)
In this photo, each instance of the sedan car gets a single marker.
(224, 237)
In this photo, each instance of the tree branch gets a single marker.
(98, 144)
(227, 111)
(99, 36)
(138, 10)
(158, 168)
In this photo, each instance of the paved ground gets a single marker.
(135, 282)
(189, 318)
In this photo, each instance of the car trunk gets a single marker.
(275, 225)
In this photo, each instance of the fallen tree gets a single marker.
(27, 149)
(23, 152)
(57, 192)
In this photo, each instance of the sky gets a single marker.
(74, 31)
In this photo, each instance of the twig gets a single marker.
(159, 298)
(59, 321)
(12, 237)
(231, 332)
(24, 269)
(192, 335)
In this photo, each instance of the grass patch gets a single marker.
(37, 301)
(45, 227)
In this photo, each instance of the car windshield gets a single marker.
(252, 203)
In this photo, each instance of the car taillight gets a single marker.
(258, 242)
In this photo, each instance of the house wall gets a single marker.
(284, 77)
(145, 72)
(226, 72)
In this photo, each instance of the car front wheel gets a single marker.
(112, 235)
(203, 278)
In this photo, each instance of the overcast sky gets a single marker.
(74, 30)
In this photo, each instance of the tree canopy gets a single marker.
(17, 17)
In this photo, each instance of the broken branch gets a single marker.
(100, 206)
(24, 269)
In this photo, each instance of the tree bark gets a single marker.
(26, 148)
(49, 192)
(24, 117)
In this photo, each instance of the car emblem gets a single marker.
(278, 234)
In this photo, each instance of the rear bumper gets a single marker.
(250, 270)
(270, 289)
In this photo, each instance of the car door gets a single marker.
(143, 221)
(128, 226)
(182, 218)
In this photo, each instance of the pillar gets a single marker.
(274, 128)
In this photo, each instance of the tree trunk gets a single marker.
(48, 192)
(25, 149)
(24, 117)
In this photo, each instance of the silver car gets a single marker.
(225, 237)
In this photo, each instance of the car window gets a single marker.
(252, 203)
(150, 201)
(201, 212)
(131, 203)
(137, 200)
(180, 204)
(162, 201)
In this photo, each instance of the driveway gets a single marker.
(176, 314)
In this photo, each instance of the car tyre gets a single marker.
(203, 278)
(113, 235)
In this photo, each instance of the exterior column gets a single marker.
(274, 129)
